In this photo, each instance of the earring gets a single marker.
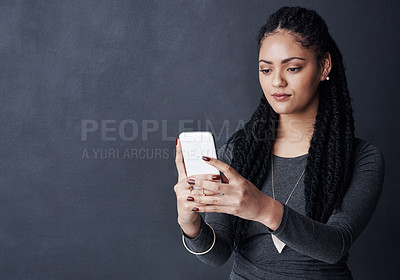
(327, 78)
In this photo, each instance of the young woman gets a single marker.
(298, 187)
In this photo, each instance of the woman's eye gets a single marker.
(265, 71)
(294, 69)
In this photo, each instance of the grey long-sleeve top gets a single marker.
(313, 250)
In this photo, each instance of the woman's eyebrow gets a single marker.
(283, 61)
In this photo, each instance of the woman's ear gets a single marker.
(326, 67)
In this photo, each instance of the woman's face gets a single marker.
(289, 75)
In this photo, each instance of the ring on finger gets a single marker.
(204, 194)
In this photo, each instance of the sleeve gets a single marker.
(222, 225)
(330, 242)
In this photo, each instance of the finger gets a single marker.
(210, 177)
(216, 187)
(201, 192)
(182, 186)
(189, 205)
(214, 209)
(180, 166)
(228, 171)
(210, 200)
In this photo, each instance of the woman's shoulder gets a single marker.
(367, 154)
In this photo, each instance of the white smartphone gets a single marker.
(196, 144)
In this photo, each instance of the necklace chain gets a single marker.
(273, 188)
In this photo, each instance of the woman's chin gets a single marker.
(282, 109)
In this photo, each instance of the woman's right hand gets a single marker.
(189, 220)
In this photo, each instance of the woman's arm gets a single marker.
(222, 225)
(326, 242)
(223, 247)
(329, 242)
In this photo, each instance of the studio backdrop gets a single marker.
(93, 95)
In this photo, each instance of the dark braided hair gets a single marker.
(329, 163)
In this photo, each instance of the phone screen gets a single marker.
(196, 144)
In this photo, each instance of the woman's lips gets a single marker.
(281, 96)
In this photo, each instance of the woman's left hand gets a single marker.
(240, 197)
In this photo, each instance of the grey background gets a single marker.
(170, 63)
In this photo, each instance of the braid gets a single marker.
(329, 163)
(252, 150)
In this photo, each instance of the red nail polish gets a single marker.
(216, 177)
(190, 198)
(191, 181)
(176, 141)
(195, 209)
(206, 158)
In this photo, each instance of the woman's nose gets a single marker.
(278, 80)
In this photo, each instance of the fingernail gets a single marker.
(206, 158)
(191, 181)
(195, 209)
(216, 177)
(190, 198)
(176, 141)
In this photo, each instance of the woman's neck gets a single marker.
(294, 134)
